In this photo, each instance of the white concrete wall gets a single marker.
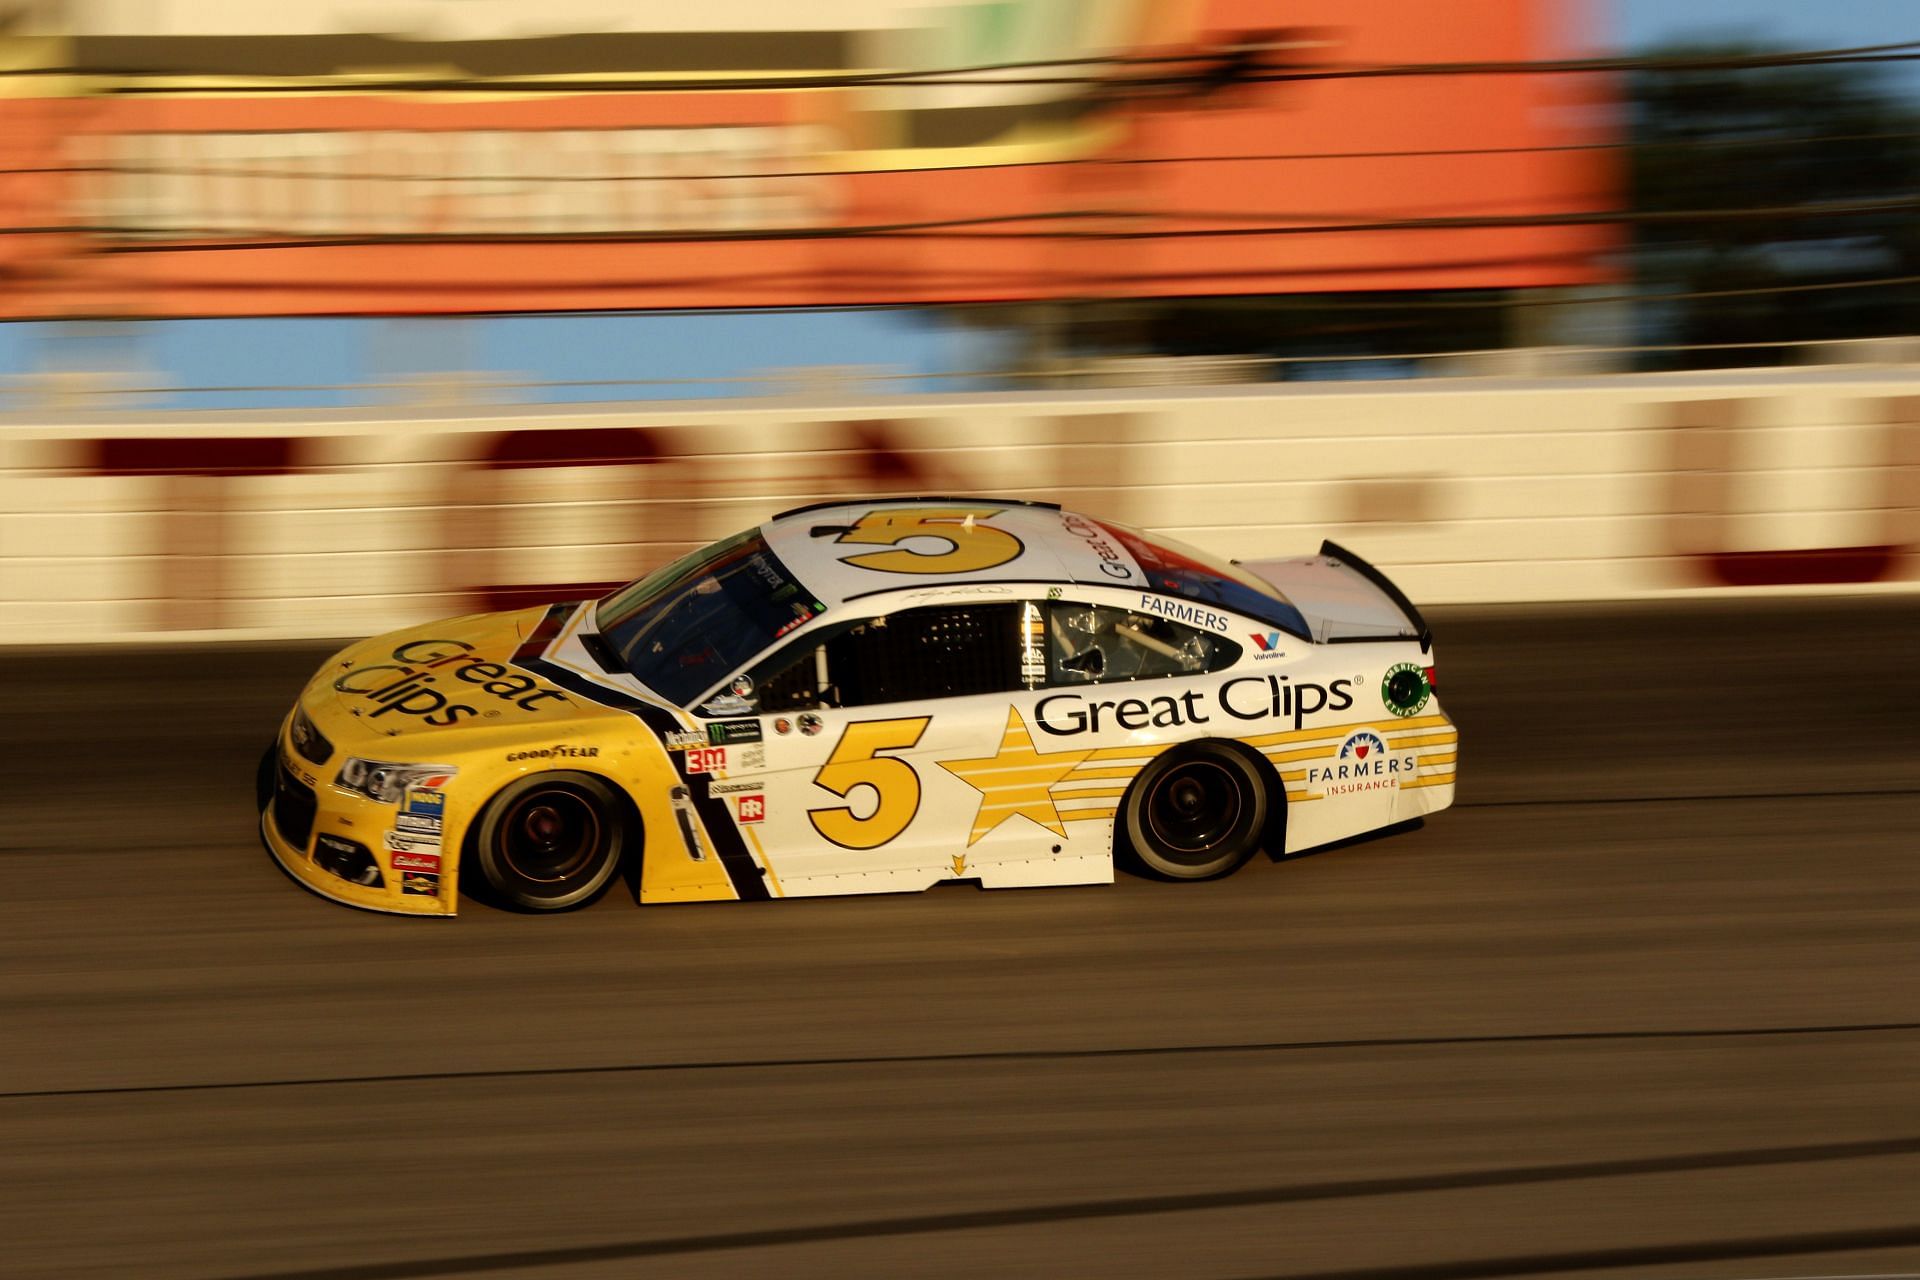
(1466, 490)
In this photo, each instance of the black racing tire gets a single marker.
(1196, 813)
(551, 841)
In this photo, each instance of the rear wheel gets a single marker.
(551, 841)
(1196, 812)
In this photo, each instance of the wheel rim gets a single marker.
(1193, 808)
(550, 836)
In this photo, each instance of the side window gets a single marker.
(1098, 644)
(902, 657)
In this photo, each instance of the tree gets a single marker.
(1776, 153)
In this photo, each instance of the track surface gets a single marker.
(1647, 1002)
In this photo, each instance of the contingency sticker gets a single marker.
(418, 826)
(1405, 689)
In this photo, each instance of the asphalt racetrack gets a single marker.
(1646, 1003)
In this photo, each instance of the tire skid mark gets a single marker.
(985, 1055)
(1241, 1198)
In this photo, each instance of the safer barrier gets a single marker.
(262, 525)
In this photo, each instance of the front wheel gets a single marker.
(550, 841)
(1196, 812)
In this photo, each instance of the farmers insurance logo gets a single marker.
(1406, 689)
(1364, 764)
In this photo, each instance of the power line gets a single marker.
(332, 175)
(1243, 64)
(204, 239)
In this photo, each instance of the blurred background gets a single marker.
(861, 219)
(232, 205)
(1595, 323)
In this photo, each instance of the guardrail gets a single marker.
(254, 525)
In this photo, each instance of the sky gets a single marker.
(1809, 24)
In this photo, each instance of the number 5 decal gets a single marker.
(970, 547)
(856, 762)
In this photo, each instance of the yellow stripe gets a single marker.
(1429, 740)
(1147, 751)
(1084, 815)
(765, 861)
(1084, 772)
(1438, 779)
(1444, 757)
(1302, 753)
(1061, 796)
(1341, 730)
(1302, 796)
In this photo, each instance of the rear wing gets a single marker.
(1344, 599)
(1334, 551)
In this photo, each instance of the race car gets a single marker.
(866, 697)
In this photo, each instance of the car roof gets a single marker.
(843, 551)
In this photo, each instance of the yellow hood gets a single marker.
(453, 674)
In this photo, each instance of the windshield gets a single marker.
(681, 628)
(1192, 574)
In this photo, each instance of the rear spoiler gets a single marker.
(1335, 551)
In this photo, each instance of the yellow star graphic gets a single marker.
(1016, 780)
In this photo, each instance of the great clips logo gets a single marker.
(427, 675)
(1242, 698)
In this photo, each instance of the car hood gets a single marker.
(448, 675)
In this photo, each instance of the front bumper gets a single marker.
(321, 835)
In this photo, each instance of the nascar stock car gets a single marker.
(861, 697)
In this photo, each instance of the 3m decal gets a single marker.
(970, 545)
(706, 759)
(752, 808)
(856, 762)
(1405, 689)
(1015, 781)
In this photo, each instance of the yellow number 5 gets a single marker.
(856, 761)
(970, 547)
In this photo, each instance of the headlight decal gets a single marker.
(386, 781)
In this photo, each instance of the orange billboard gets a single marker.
(915, 154)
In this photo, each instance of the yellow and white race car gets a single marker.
(866, 697)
